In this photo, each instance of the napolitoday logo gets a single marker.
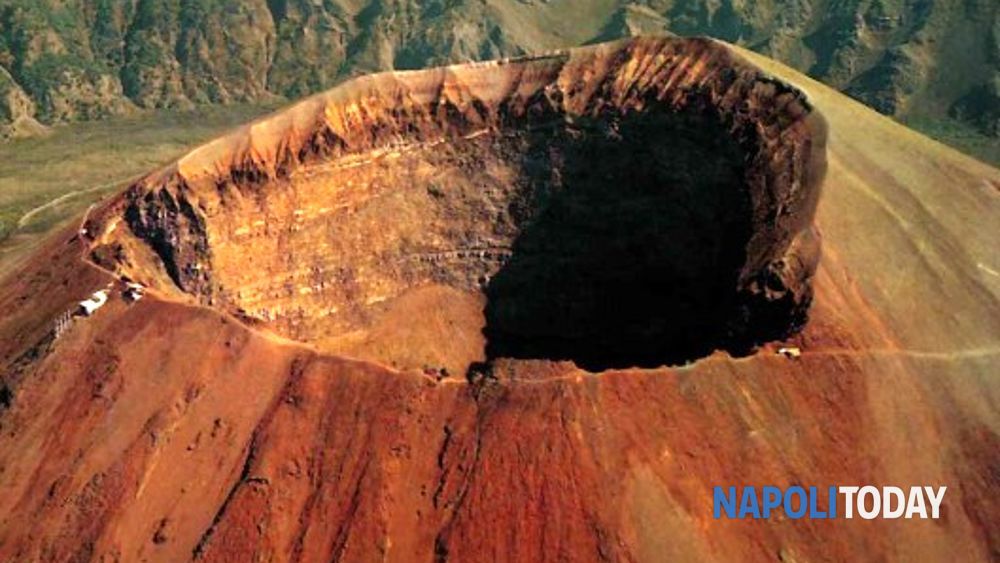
(868, 502)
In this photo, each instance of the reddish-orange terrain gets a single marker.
(520, 310)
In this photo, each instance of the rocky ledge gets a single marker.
(642, 202)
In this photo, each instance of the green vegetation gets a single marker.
(959, 135)
(85, 59)
(47, 70)
(57, 176)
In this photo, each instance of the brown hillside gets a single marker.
(478, 216)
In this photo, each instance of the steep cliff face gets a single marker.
(662, 171)
(45, 49)
(900, 58)
(169, 430)
(17, 110)
(82, 59)
(178, 53)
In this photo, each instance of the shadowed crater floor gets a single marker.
(633, 234)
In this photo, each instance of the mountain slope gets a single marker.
(84, 59)
(169, 431)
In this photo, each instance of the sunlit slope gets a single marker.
(909, 222)
(910, 230)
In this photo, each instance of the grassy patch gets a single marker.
(53, 178)
(960, 136)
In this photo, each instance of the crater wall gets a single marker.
(642, 202)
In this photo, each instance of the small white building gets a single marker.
(133, 292)
(790, 352)
(96, 301)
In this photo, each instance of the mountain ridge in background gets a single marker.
(928, 62)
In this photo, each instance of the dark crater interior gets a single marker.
(632, 234)
(623, 238)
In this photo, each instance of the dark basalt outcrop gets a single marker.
(643, 202)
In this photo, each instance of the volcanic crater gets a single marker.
(633, 204)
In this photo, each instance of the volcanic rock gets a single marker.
(638, 203)
(220, 417)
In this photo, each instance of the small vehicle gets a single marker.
(133, 292)
(95, 302)
(790, 352)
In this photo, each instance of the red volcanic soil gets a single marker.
(339, 359)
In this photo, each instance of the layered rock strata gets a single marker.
(642, 202)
